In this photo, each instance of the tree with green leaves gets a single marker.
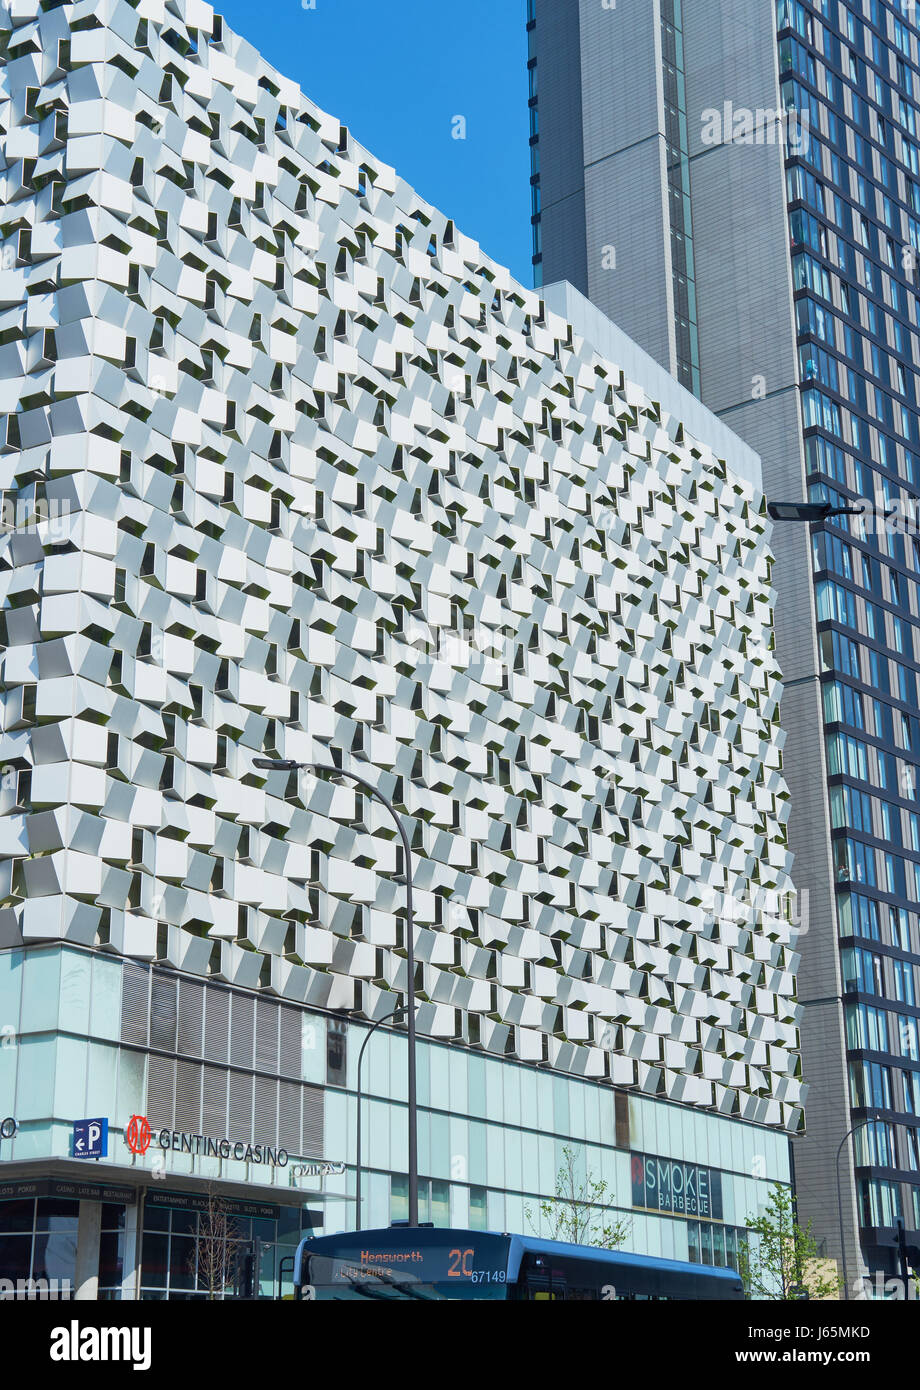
(579, 1212)
(784, 1261)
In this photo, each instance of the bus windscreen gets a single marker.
(475, 1267)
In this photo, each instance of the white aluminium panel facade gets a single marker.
(290, 467)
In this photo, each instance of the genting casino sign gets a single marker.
(139, 1136)
(203, 1145)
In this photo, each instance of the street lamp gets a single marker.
(813, 511)
(396, 1013)
(843, 1248)
(290, 765)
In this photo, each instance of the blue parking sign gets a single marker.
(90, 1138)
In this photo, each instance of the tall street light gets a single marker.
(843, 1249)
(289, 765)
(821, 511)
(396, 1013)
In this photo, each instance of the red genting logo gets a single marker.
(137, 1135)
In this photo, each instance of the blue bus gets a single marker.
(428, 1263)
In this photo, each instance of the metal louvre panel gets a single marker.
(630, 444)
(217, 1025)
(289, 1116)
(163, 1012)
(266, 1035)
(214, 1102)
(291, 1032)
(242, 1018)
(239, 1118)
(135, 992)
(312, 1129)
(188, 1096)
(161, 1092)
(191, 1017)
(265, 1127)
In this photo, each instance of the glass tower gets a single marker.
(850, 76)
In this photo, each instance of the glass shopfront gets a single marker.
(38, 1241)
(196, 1247)
(493, 1134)
(193, 1246)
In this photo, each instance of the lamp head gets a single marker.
(799, 511)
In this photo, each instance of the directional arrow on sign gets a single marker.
(90, 1138)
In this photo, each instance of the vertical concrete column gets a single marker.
(131, 1263)
(87, 1272)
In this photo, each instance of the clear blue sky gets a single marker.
(396, 72)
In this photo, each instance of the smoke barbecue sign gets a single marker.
(666, 1184)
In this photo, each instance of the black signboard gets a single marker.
(32, 1187)
(683, 1189)
(62, 1187)
(193, 1201)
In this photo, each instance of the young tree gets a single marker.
(217, 1256)
(784, 1261)
(579, 1211)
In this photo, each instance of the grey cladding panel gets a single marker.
(312, 1127)
(291, 1049)
(217, 1025)
(161, 1092)
(191, 1016)
(239, 1119)
(163, 990)
(628, 246)
(265, 1125)
(214, 1101)
(242, 1022)
(289, 1136)
(266, 1035)
(622, 102)
(135, 1004)
(188, 1096)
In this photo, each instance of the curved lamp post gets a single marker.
(843, 1249)
(821, 511)
(290, 765)
(396, 1013)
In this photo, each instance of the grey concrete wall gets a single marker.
(625, 173)
(562, 183)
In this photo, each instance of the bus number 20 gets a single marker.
(460, 1264)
